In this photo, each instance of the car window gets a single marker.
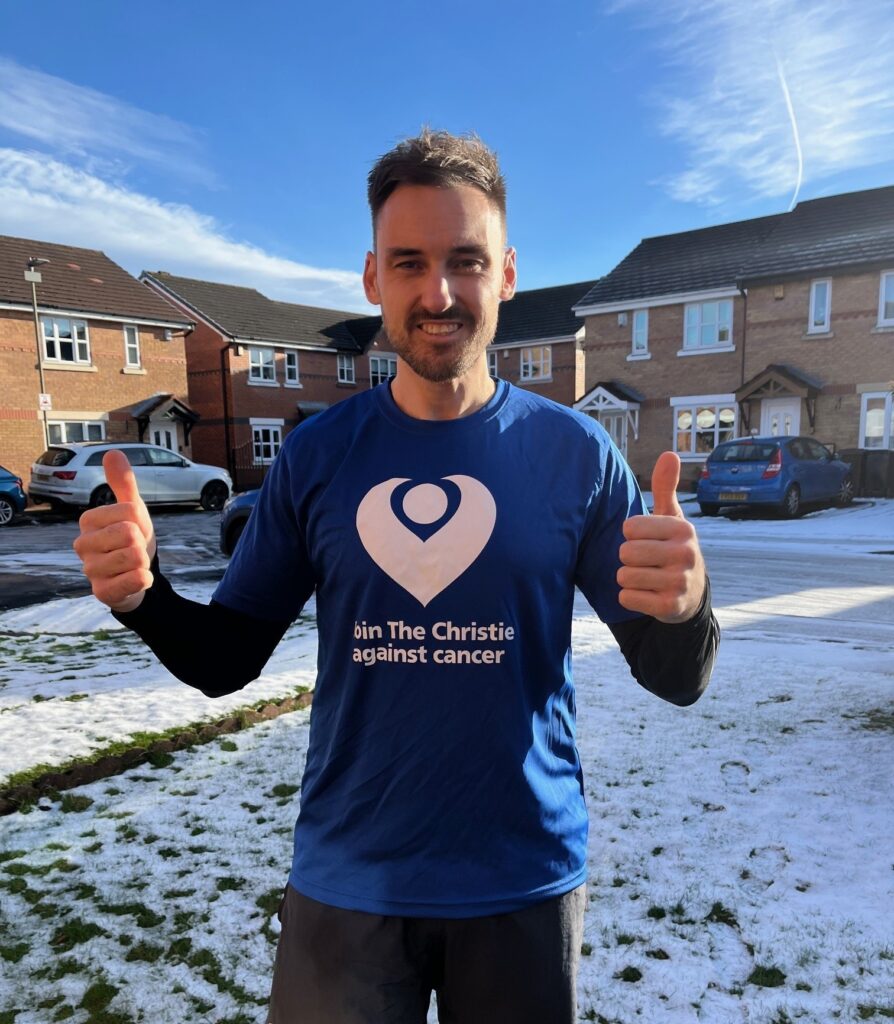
(136, 456)
(798, 449)
(162, 457)
(56, 457)
(94, 459)
(817, 451)
(746, 451)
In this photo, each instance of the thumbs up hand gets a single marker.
(662, 572)
(117, 542)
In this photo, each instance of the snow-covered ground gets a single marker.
(740, 853)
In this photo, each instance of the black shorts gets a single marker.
(337, 966)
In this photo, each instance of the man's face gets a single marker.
(439, 273)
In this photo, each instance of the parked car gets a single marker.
(785, 473)
(72, 475)
(235, 516)
(12, 497)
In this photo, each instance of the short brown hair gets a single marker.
(440, 159)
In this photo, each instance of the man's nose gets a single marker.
(437, 294)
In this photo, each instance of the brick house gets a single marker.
(539, 342)
(258, 367)
(112, 355)
(777, 325)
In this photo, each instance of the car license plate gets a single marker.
(38, 475)
(733, 496)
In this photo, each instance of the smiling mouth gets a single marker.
(440, 328)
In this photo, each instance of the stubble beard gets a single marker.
(449, 365)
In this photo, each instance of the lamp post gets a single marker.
(33, 275)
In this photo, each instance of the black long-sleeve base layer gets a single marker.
(218, 650)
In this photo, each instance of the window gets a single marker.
(163, 457)
(135, 456)
(492, 363)
(291, 368)
(65, 341)
(877, 420)
(700, 426)
(261, 366)
(640, 345)
(536, 363)
(820, 307)
(886, 300)
(345, 369)
(381, 368)
(63, 432)
(709, 325)
(131, 346)
(266, 442)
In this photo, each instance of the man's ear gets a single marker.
(370, 279)
(510, 275)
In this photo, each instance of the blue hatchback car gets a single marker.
(785, 473)
(12, 497)
(235, 515)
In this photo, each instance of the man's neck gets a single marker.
(446, 400)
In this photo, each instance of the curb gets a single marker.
(53, 782)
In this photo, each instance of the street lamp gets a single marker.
(33, 275)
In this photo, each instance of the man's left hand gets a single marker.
(662, 571)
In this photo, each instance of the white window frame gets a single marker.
(257, 364)
(492, 360)
(887, 426)
(825, 325)
(131, 347)
(293, 379)
(390, 361)
(692, 404)
(535, 364)
(639, 334)
(81, 356)
(258, 441)
(345, 368)
(885, 276)
(715, 346)
(63, 426)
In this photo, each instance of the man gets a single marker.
(443, 520)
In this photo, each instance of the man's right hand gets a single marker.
(117, 542)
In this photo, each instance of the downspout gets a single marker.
(231, 469)
(744, 293)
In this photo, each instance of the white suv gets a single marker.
(72, 474)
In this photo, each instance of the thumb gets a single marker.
(119, 476)
(665, 478)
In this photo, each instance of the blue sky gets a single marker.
(231, 142)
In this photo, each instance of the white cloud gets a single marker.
(729, 113)
(46, 199)
(76, 121)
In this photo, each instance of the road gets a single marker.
(37, 562)
(843, 588)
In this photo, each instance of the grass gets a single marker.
(766, 977)
(142, 741)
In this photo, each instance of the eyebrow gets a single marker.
(470, 249)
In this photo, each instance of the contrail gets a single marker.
(791, 115)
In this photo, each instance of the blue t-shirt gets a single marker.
(442, 776)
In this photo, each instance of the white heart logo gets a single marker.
(426, 567)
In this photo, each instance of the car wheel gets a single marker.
(791, 503)
(845, 492)
(708, 509)
(7, 512)
(214, 495)
(103, 495)
(233, 535)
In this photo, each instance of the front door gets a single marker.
(780, 417)
(615, 424)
